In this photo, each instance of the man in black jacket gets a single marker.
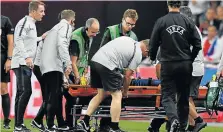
(6, 34)
(174, 33)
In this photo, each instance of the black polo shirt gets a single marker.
(6, 29)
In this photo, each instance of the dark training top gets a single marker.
(175, 34)
(6, 29)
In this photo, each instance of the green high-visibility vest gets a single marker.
(82, 61)
(114, 31)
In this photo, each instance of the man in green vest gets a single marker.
(129, 19)
(80, 44)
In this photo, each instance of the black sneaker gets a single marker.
(34, 124)
(150, 129)
(52, 129)
(118, 130)
(6, 124)
(102, 128)
(83, 126)
(21, 128)
(63, 128)
(199, 126)
(175, 126)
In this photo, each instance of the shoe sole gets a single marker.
(6, 127)
(199, 128)
(22, 131)
(34, 126)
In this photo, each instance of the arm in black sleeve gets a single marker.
(106, 38)
(195, 41)
(9, 27)
(74, 48)
(154, 42)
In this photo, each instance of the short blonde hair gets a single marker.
(131, 13)
(146, 42)
(67, 14)
(34, 5)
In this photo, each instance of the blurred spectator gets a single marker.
(220, 12)
(198, 8)
(212, 46)
(220, 17)
(214, 4)
(184, 3)
(208, 20)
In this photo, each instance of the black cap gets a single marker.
(174, 3)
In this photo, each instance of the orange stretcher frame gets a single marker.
(134, 91)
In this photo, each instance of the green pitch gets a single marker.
(130, 126)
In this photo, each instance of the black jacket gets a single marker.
(174, 33)
(6, 29)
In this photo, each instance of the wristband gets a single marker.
(9, 58)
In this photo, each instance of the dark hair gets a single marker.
(185, 10)
(174, 3)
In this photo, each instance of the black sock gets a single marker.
(198, 120)
(6, 105)
(157, 123)
(105, 121)
(114, 125)
(86, 119)
(190, 128)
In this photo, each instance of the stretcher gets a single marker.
(139, 104)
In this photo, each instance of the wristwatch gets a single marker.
(9, 58)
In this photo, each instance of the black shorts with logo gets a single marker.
(194, 86)
(5, 77)
(102, 77)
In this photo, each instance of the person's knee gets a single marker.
(4, 88)
(100, 95)
(117, 95)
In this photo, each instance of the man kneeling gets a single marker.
(106, 66)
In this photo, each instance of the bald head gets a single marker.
(93, 27)
(91, 21)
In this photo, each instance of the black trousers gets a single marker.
(42, 110)
(70, 102)
(175, 86)
(23, 92)
(53, 83)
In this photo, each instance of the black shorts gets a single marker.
(194, 86)
(5, 77)
(102, 77)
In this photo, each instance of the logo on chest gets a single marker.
(175, 29)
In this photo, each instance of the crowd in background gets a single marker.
(208, 16)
